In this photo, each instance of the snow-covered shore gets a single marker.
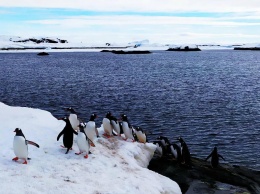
(10, 44)
(114, 167)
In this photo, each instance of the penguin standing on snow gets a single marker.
(107, 125)
(116, 126)
(83, 141)
(90, 128)
(67, 133)
(73, 118)
(128, 132)
(141, 136)
(20, 145)
(185, 153)
(214, 157)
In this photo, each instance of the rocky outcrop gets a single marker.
(42, 40)
(202, 178)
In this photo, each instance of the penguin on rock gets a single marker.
(83, 141)
(127, 129)
(165, 141)
(214, 158)
(20, 145)
(185, 153)
(159, 151)
(107, 125)
(175, 151)
(67, 133)
(90, 129)
(73, 118)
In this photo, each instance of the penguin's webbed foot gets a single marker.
(15, 159)
(86, 156)
(25, 162)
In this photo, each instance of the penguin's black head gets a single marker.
(71, 110)
(93, 117)
(215, 149)
(139, 129)
(124, 117)
(17, 130)
(180, 139)
(108, 115)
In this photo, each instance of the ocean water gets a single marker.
(210, 98)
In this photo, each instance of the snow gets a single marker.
(114, 167)
(7, 42)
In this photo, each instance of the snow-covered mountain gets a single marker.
(114, 167)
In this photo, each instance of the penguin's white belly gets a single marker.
(174, 152)
(141, 136)
(82, 142)
(159, 150)
(20, 147)
(127, 131)
(107, 126)
(74, 121)
(116, 127)
(90, 130)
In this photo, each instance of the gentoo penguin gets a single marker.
(214, 157)
(175, 151)
(165, 141)
(127, 129)
(141, 136)
(159, 148)
(90, 128)
(20, 145)
(67, 133)
(73, 118)
(116, 125)
(107, 125)
(185, 153)
(83, 141)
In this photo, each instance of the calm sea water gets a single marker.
(210, 98)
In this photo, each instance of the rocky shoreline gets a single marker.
(202, 178)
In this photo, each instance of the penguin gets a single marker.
(141, 136)
(185, 153)
(108, 128)
(116, 125)
(165, 141)
(175, 151)
(83, 141)
(159, 148)
(90, 128)
(67, 133)
(20, 145)
(128, 131)
(214, 158)
(73, 118)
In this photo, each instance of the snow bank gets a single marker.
(114, 167)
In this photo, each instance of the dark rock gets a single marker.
(201, 176)
(43, 54)
(186, 48)
(130, 52)
(247, 48)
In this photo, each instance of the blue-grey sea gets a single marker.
(210, 98)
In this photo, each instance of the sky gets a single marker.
(159, 21)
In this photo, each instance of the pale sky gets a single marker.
(159, 21)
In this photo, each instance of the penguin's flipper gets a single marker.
(208, 156)
(75, 132)
(221, 157)
(32, 143)
(60, 134)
